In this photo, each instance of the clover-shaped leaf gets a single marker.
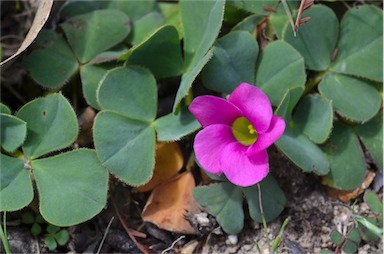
(346, 159)
(317, 38)
(91, 75)
(272, 199)
(124, 134)
(173, 127)
(225, 202)
(371, 134)
(72, 186)
(51, 125)
(16, 189)
(360, 48)
(91, 33)
(279, 68)
(355, 99)
(294, 144)
(314, 117)
(233, 62)
(13, 132)
(198, 38)
(53, 63)
(160, 53)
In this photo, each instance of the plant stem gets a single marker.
(314, 81)
(263, 219)
(3, 234)
(278, 238)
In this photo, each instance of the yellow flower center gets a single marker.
(244, 131)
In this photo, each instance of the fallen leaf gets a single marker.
(41, 17)
(348, 195)
(169, 160)
(169, 202)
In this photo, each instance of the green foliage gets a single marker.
(325, 82)
(317, 39)
(233, 62)
(225, 201)
(279, 68)
(55, 236)
(92, 33)
(198, 38)
(52, 125)
(13, 132)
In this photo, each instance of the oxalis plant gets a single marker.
(314, 89)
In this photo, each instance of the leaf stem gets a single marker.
(263, 218)
(289, 14)
(314, 81)
(3, 234)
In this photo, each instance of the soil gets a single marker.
(312, 213)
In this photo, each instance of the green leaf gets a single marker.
(171, 13)
(314, 117)
(144, 27)
(75, 8)
(254, 6)
(371, 134)
(36, 229)
(51, 125)
(198, 36)
(316, 39)
(301, 151)
(280, 67)
(337, 237)
(130, 91)
(125, 146)
(272, 198)
(16, 189)
(160, 53)
(360, 48)
(187, 79)
(347, 162)
(374, 202)
(90, 76)
(72, 186)
(225, 202)
(354, 235)
(53, 63)
(350, 247)
(62, 237)
(288, 103)
(352, 98)
(52, 229)
(233, 62)
(325, 252)
(5, 109)
(134, 9)
(13, 132)
(249, 24)
(92, 33)
(50, 241)
(368, 227)
(173, 127)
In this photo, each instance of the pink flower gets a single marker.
(236, 134)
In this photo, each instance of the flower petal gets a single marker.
(242, 170)
(209, 145)
(266, 139)
(254, 105)
(213, 110)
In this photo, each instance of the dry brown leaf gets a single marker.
(169, 202)
(348, 195)
(41, 17)
(169, 160)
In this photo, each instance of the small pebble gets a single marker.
(232, 240)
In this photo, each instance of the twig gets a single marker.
(173, 244)
(131, 233)
(105, 235)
